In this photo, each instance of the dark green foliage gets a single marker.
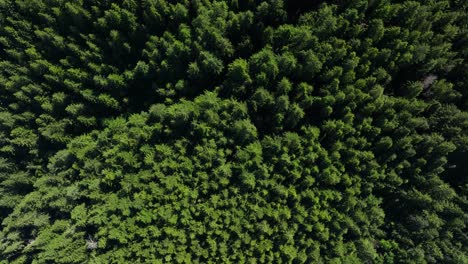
(233, 131)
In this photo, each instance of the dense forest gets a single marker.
(233, 131)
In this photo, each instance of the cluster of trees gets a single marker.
(225, 131)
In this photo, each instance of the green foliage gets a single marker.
(233, 131)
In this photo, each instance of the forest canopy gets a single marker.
(227, 131)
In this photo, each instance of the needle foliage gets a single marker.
(228, 131)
